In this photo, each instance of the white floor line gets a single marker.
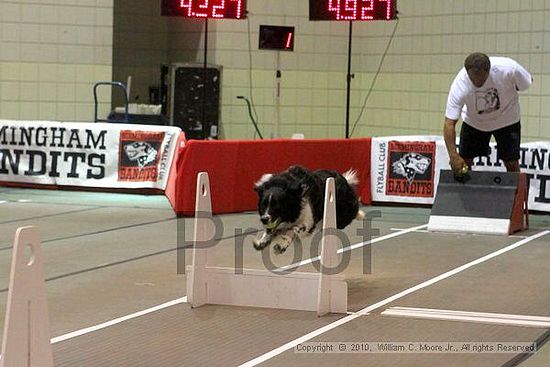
(354, 247)
(104, 325)
(346, 319)
(417, 231)
(468, 316)
(455, 233)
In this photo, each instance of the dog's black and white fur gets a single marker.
(291, 204)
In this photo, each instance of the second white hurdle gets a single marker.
(320, 292)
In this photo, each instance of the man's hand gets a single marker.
(457, 163)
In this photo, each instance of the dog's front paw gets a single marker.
(282, 244)
(279, 249)
(263, 242)
(259, 245)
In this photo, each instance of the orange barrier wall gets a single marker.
(234, 167)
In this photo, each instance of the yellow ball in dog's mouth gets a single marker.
(273, 224)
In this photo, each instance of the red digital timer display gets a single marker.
(352, 10)
(217, 9)
(274, 37)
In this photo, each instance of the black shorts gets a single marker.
(475, 143)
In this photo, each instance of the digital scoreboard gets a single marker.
(358, 10)
(215, 9)
(276, 38)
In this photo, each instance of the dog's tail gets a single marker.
(353, 181)
(351, 177)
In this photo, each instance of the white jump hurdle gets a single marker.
(320, 292)
(26, 340)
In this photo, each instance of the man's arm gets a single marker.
(449, 135)
(522, 78)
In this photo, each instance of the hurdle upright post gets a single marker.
(203, 232)
(26, 340)
(328, 250)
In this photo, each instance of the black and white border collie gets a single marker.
(291, 204)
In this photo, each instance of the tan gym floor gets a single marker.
(109, 256)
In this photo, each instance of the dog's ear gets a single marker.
(259, 189)
(259, 185)
(296, 170)
(265, 177)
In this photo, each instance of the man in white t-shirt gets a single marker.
(485, 95)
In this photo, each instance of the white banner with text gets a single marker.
(405, 169)
(86, 154)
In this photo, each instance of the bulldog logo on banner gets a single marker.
(410, 169)
(139, 154)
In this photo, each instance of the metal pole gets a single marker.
(205, 127)
(348, 78)
(277, 96)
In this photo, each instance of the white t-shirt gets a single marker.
(496, 103)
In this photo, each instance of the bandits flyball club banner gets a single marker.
(405, 169)
(86, 154)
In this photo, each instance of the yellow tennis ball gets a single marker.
(274, 224)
